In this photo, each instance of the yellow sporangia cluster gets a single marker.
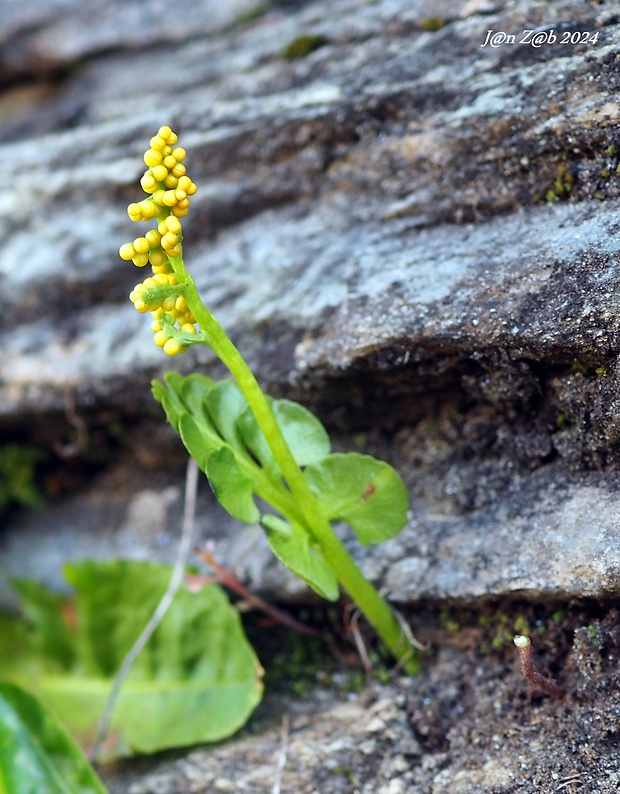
(169, 189)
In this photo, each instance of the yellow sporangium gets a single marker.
(169, 188)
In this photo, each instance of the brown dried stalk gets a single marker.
(537, 679)
(228, 579)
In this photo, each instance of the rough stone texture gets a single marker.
(413, 234)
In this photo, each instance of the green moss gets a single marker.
(344, 771)
(303, 46)
(293, 662)
(503, 627)
(521, 625)
(448, 622)
(382, 675)
(610, 150)
(256, 12)
(563, 185)
(18, 476)
(355, 683)
(431, 24)
(588, 369)
(300, 664)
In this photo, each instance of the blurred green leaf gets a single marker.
(18, 657)
(197, 680)
(49, 615)
(291, 546)
(366, 493)
(37, 755)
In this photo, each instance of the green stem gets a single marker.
(367, 598)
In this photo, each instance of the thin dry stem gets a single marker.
(176, 579)
(528, 668)
(361, 647)
(228, 579)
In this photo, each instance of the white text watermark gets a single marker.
(539, 38)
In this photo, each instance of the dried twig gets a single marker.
(191, 481)
(413, 640)
(569, 780)
(361, 647)
(228, 579)
(421, 646)
(80, 442)
(537, 679)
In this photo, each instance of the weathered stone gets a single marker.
(351, 167)
(57, 34)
